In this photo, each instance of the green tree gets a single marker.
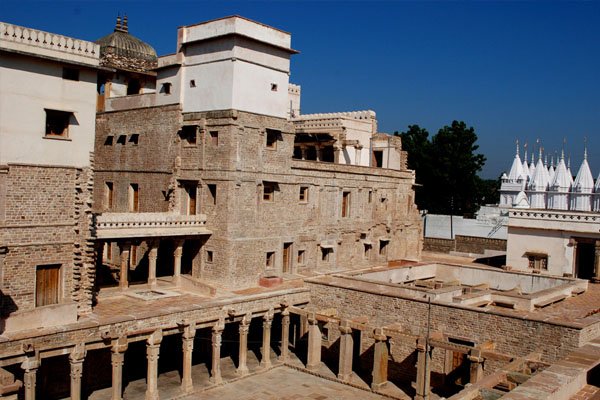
(446, 168)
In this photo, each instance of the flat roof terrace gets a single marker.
(531, 296)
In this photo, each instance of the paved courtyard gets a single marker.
(284, 384)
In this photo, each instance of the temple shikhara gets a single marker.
(173, 226)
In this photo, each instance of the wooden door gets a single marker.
(47, 285)
(287, 257)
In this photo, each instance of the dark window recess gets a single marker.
(274, 87)
(71, 74)
(166, 88)
(192, 83)
(383, 245)
(109, 140)
(214, 138)
(270, 259)
(303, 197)
(378, 158)
(269, 191)
(57, 123)
(209, 256)
(212, 192)
(188, 134)
(134, 138)
(122, 139)
(273, 136)
(134, 86)
(297, 153)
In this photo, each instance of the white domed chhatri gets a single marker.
(550, 186)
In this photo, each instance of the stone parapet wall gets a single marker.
(438, 245)
(463, 244)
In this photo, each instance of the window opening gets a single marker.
(57, 123)
(133, 87)
(378, 158)
(367, 253)
(166, 88)
(326, 253)
(301, 257)
(272, 137)
(109, 195)
(212, 192)
(303, 197)
(71, 74)
(269, 191)
(134, 197)
(214, 138)
(109, 140)
(122, 139)
(270, 259)
(345, 204)
(383, 245)
(134, 138)
(192, 83)
(209, 256)
(188, 134)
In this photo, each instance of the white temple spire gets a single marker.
(583, 185)
(558, 196)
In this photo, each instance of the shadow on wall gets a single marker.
(7, 307)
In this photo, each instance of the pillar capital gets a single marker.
(345, 328)
(312, 318)
(119, 345)
(78, 353)
(155, 338)
(378, 335)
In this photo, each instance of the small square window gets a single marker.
(269, 191)
(326, 253)
(134, 138)
(537, 262)
(303, 197)
(367, 253)
(122, 139)
(214, 138)
(57, 123)
(192, 83)
(273, 87)
(71, 74)
(301, 255)
(209, 256)
(109, 140)
(166, 88)
(188, 134)
(273, 136)
(212, 193)
(270, 259)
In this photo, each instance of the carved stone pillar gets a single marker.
(573, 245)
(152, 354)
(30, 366)
(336, 154)
(423, 370)
(243, 344)
(303, 151)
(285, 334)
(152, 256)
(313, 359)
(265, 361)
(346, 349)
(380, 360)
(189, 332)
(596, 277)
(215, 373)
(123, 278)
(76, 360)
(177, 261)
(319, 152)
(119, 347)
(357, 150)
(476, 367)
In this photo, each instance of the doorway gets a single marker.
(584, 260)
(287, 258)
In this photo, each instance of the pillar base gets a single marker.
(379, 386)
(242, 371)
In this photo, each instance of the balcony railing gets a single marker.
(14, 37)
(139, 225)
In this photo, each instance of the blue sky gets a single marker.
(512, 70)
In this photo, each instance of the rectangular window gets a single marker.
(209, 256)
(212, 193)
(269, 191)
(301, 257)
(326, 253)
(134, 197)
(303, 197)
(47, 285)
(287, 257)
(273, 136)
(383, 245)
(166, 88)
(189, 133)
(122, 139)
(367, 253)
(133, 256)
(378, 158)
(370, 197)
(191, 192)
(109, 140)
(214, 138)
(345, 204)
(109, 195)
(192, 83)
(270, 259)
(537, 261)
(57, 123)
(71, 74)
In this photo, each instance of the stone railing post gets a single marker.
(596, 277)
(76, 360)
(423, 370)
(123, 276)
(346, 349)
(119, 346)
(285, 333)
(152, 256)
(152, 354)
(187, 337)
(313, 358)
(217, 331)
(30, 366)
(244, 327)
(476, 367)
(177, 262)
(380, 360)
(265, 362)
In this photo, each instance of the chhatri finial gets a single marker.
(118, 24)
(517, 153)
(525, 150)
(124, 26)
(585, 148)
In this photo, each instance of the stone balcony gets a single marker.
(144, 225)
(39, 43)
